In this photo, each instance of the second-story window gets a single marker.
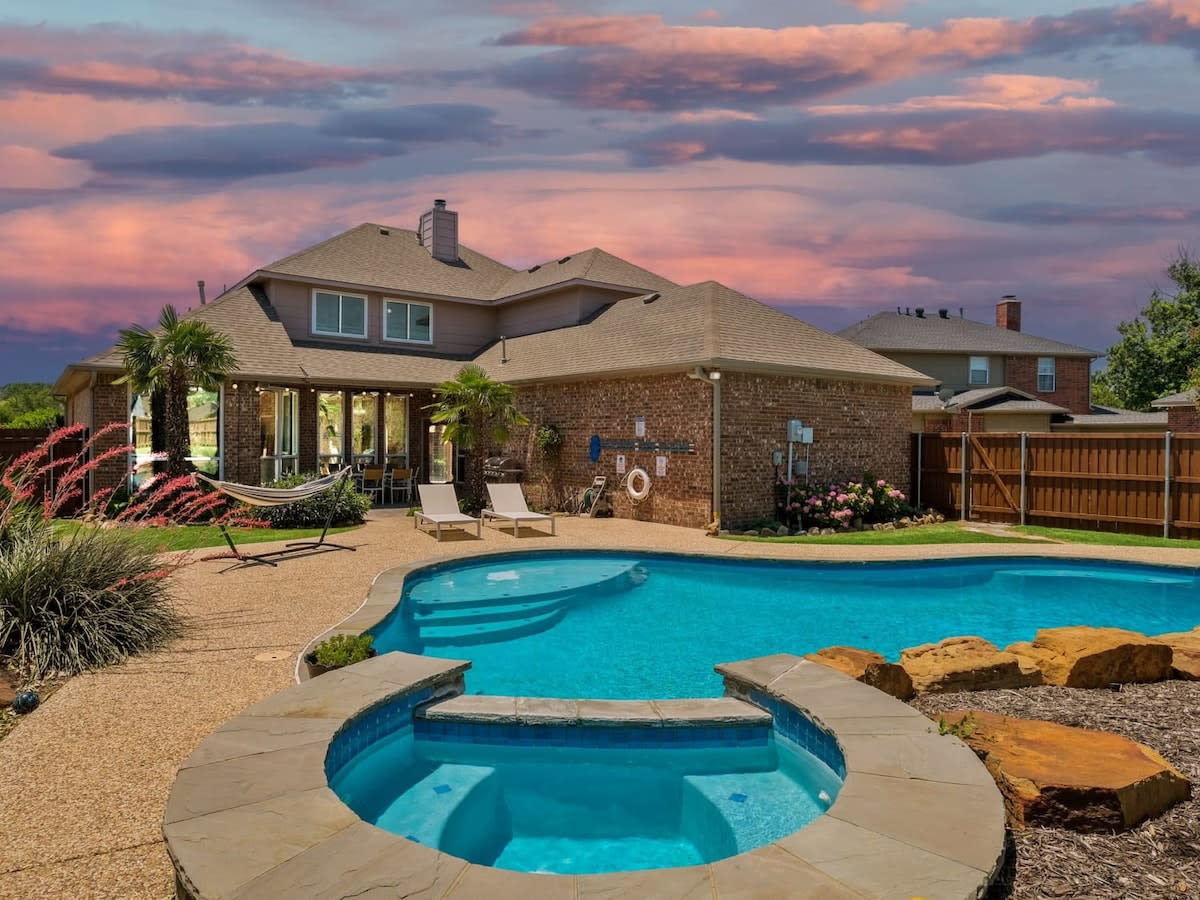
(341, 315)
(1046, 374)
(405, 320)
(979, 370)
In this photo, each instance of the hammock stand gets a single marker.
(266, 496)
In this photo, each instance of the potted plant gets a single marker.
(338, 651)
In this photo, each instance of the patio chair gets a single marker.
(439, 506)
(372, 483)
(508, 503)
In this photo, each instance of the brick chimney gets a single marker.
(438, 232)
(1008, 313)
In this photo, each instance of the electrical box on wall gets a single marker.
(806, 435)
(795, 430)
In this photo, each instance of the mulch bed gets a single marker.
(1159, 858)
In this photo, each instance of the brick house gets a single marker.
(990, 377)
(341, 345)
(1182, 413)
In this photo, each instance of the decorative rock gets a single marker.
(1083, 657)
(751, 532)
(1074, 778)
(766, 532)
(966, 664)
(868, 667)
(1185, 659)
(25, 702)
(827, 531)
(814, 531)
(782, 531)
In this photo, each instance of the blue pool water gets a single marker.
(628, 626)
(576, 810)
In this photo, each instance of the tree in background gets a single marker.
(1159, 351)
(182, 353)
(476, 411)
(29, 405)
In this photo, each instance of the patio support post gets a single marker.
(1167, 485)
(962, 479)
(1024, 444)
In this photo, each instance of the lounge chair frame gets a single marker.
(458, 519)
(517, 516)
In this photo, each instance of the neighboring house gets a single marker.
(1181, 410)
(341, 345)
(1045, 378)
(1113, 419)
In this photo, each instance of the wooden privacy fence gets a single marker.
(15, 441)
(1138, 483)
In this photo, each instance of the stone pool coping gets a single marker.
(251, 813)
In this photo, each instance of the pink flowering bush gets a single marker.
(838, 505)
(76, 599)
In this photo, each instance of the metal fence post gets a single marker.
(1024, 439)
(920, 457)
(962, 481)
(1167, 486)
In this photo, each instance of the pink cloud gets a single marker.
(28, 167)
(984, 92)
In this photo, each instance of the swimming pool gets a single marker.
(574, 799)
(624, 626)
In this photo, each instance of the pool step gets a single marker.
(421, 812)
(487, 632)
(622, 579)
(478, 615)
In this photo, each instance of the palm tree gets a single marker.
(475, 409)
(180, 354)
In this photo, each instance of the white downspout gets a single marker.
(715, 383)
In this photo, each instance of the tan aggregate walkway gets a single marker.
(84, 779)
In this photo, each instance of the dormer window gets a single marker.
(979, 370)
(339, 315)
(408, 321)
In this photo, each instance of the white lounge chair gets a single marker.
(508, 503)
(439, 506)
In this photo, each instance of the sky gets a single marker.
(834, 158)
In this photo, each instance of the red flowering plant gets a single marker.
(76, 599)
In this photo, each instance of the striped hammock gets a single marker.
(267, 496)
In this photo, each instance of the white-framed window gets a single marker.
(340, 315)
(407, 320)
(1046, 374)
(279, 433)
(979, 373)
(395, 430)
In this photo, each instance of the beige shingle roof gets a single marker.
(701, 324)
(335, 365)
(262, 345)
(591, 265)
(933, 334)
(392, 259)
(1185, 398)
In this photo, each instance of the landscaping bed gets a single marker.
(1159, 858)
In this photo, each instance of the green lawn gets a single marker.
(945, 533)
(198, 537)
(1104, 538)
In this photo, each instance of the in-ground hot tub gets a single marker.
(587, 797)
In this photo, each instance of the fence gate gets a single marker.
(16, 441)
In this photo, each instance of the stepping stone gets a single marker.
(966, 664)
(1074, 778)
(868, 667)
(1083, 657)
(1185, 661)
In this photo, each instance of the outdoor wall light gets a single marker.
(234, 385)
(715, 376)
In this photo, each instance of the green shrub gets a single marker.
(80, 603)
(343, 650)
(351, 509)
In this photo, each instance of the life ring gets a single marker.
(639, 492)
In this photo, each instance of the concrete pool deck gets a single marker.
(86, 777)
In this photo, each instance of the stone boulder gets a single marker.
(1185, 658)
(1075, 778)
(868, 667)
(966, 664)
(1083, 657)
